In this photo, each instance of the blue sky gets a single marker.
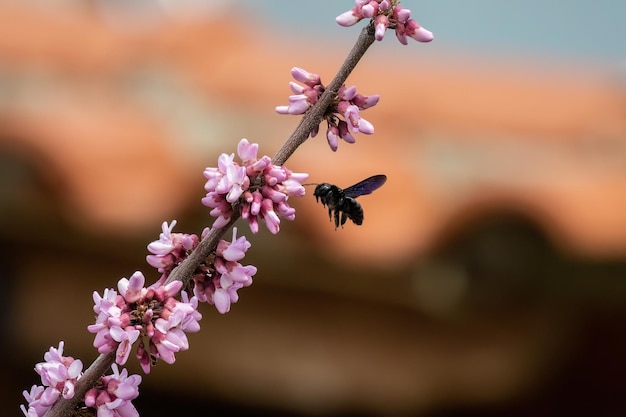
(586, 30)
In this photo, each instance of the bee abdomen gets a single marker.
(353, 209)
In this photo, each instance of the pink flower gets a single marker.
(298, 104)
(226, 294)
(272, 221)
(401, 14)
(190, 320)
(247, 151)
(171, 248)
(308, 78)
(365, 102)
(235, 250)
(305, 95)
(381, 23)
(332, 136)
(238, 179)
(352, 117)
(132, 289)
(144, 358)
(33, 398)
(351, 17)
(125, 338)
(386, 14)
(415, 31)
(232, 272)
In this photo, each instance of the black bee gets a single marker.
(343, 201)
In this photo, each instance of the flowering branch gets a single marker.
(185, 270)
(207, 266)
(307, 124)
(313, 117)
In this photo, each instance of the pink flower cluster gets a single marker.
(171, 248)
(347, 104)
(113, 396)
(218, 282)
(386, 14)
(59, 375)
(256, 187)
(137, 311)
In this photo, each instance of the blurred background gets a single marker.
(489, 276)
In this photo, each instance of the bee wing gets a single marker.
(367, 186)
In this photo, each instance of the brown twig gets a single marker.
(313, 117)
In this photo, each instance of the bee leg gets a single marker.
(344, 217)
(337, 219)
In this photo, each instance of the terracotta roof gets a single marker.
(457, 138)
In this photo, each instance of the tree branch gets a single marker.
(313, 117)
(184, 272)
